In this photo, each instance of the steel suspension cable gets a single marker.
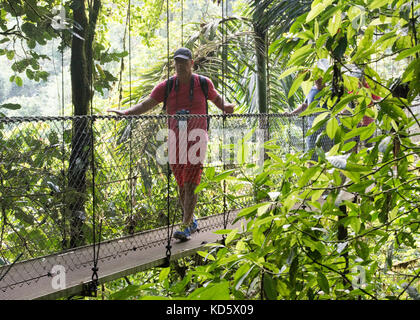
(132, 188)
(64, 233)
(224, 65)
(168, 172)
(182, 23)
(267, 121)
(92, 287)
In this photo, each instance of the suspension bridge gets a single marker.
(86, 196)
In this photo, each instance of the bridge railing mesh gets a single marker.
(67, 182)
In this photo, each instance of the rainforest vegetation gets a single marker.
(300, 238)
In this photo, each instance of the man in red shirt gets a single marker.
(187, 141)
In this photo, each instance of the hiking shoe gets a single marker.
(194, 226)
(188, 230)
(182, 235)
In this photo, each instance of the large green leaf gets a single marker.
(241, 274)
(293, 271)
(300, 55)
(270, 287)
(249, 210)
(343, 103)
(124, 294)
(323, 282)
(11, 106)
(391, 108)
(362, 249)
(218, 291)
(296, 84)
(375, 4)
(334, 23)
(222, 176)
(317, 8)
(308, 174)
(408, 52)
(332, 127)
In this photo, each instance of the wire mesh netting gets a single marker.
(70, 182)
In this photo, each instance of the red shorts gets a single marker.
(186, 161)
(187, 173)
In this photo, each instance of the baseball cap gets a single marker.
(183, 53)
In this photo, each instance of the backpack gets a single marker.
(204, 87)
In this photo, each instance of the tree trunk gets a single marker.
(260, 51)
(81, 78)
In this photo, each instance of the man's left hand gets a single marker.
(228, 108)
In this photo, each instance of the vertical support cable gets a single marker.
(268, 72)
(168, 173)
(63, 170)
(267, 120)
(92, 287)
(62, 74)
(289, 136)
(131, 120)
(182, 23)
(224, 63)
(303, 133)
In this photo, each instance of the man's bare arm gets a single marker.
(298, 110)
(140, 108)
(222, 105)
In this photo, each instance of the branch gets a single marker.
(385, 87)
(333, 270)
(412, 280)
(368, 174)
(12, 32)
(386, 224)
(24, 243)
(30, 6)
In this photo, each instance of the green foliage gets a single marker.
(36, 217)
(304, 238)
(28, 22)
(28, 30)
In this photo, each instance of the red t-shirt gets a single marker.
(178, 100)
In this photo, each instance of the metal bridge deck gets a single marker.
(120, 257)
(33, 279)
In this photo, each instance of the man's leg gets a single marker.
(178, 171)
(181, 191)
(191, 177)
(190, 201)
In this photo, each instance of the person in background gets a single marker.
(318, 136)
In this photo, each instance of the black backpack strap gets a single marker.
(168, 88)
(205, 88)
